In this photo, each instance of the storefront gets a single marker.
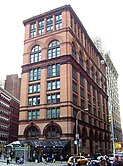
(47, 148)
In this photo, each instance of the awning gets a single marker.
(46, 143)
(12, 144)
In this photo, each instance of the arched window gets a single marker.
(53, 49)
(32, 132)
(52, 132)
(35, 55)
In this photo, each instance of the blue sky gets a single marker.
(100, 18)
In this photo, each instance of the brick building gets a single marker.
(62, 81)
(9, 118)
(12, 85)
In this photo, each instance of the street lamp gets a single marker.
(77, 133)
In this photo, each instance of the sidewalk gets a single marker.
(33, 163)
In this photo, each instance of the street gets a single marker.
(34, 164)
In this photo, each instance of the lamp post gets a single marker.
(77, 133)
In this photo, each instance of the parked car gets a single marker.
(111, 157)
(79, 160)
(94, 163)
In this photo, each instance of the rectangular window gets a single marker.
(74, 26)
(53, 98)
(74, 99)
(58, 23)
(90, 120)
(71, 22)
(40, 27)
(82, 103)
(33, 101)
(81, 80)
(80, 61)
(33, 30)
(34, 88)
(82, 92)
(89, 108)
(49, 24)
(88, 87)
(83, 116)
(74, 73)
(74, 87)
(53, 113)
(54, 70)
(33, 114)
(35, 74)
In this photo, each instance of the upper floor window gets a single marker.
(53, 49)
(81, 80)
(74, 72)
(71, 21)
(92, 72)
(35, 55)
(82, 103)
(80, 59)
(40, 27)
(34, 88)
(52, 85)
(74, 26)
(82, 92)
(88, 87)
(35, 74)
(97, 75)
(75, 99)
(73, 51)
(53, 98)
(74, 87)
(53, 113)
(54, 70)
(33, 114)
(87, 67)
(49, 24)
(33, 101)
(58, 23)
(33, 30)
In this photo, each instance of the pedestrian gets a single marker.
(116, 163)
(53, 158)
(74, 161)
(8, 159)
(43, 160)
(61, 158)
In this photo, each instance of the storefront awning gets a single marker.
(46, 143)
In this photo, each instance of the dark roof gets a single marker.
(46, 143)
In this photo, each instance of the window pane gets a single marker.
(58, 84)
(54, 85)
(30, 89)
(38, 88)
(29, 115)
(34, 88)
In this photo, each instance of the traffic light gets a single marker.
(119, 145)
(109, 118)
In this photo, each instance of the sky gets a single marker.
(101, 18)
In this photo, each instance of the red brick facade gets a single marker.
(61, 75)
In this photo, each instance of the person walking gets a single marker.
(43, 160)
(8, 159)
(61, 158)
